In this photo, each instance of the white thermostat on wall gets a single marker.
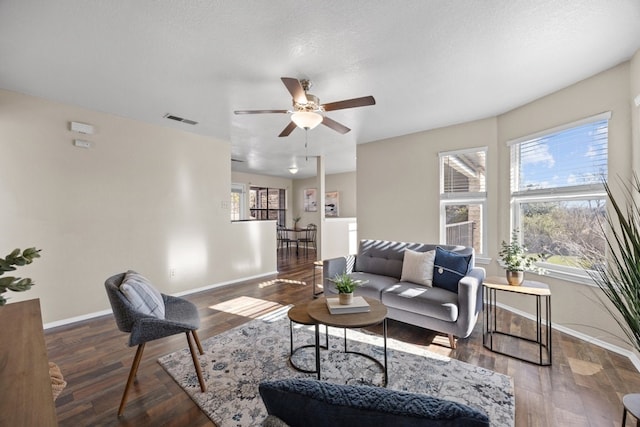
(82, 144)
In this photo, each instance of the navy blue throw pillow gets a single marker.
(449, 268)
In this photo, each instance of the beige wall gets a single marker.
(634, 73)
(343, 183)
(143, 197)
(398, 199)
(398, 180)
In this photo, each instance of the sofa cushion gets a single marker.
(417, 267)
(449, 268)
(374, 285)
(433, 302)
(142, 295)
(311, 403)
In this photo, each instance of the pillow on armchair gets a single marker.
(310, 403)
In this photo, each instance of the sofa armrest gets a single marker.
(334, 266)
(469, 300)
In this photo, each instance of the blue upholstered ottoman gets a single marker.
(302, 402)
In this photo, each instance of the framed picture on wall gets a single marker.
(331, 203)
(310, 200)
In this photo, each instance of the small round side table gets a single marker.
(300, 315)
(631, 404)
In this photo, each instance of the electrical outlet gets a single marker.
(172, 272)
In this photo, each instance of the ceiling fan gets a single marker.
(307, 112)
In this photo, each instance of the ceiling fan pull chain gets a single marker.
(306, 139)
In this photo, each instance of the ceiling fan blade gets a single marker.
(338, 127)
(295, 89)
(290, 127)
(350, 103)
(260, 111)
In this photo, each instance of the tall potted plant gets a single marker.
(619, 277)
(516, 260)
(8, 263)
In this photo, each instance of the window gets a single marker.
(268, 203)
(237, 202)
(463, 198)
(557, 193)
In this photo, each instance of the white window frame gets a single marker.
(578, 192)
(240, 189)
(476, 198)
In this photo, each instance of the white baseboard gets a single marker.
(584, 337)
(179, 294)
(76, 319)
(218, 285)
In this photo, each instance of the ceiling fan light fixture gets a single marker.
(306, 119)
(293, 170)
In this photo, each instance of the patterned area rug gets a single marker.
(236, 361)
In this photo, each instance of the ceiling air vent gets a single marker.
(180, 119)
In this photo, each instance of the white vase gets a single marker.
(515, 278)
(345, 299)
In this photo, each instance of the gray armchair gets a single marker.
(180, 316)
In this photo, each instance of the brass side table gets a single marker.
(541, 292)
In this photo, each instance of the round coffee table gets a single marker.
(318, 311)
(631, 404)
(298, 314)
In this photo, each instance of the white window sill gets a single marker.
(482, 260)
(561, 273)
(566, 276)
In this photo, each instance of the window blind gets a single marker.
(572, 157)
(463, 172)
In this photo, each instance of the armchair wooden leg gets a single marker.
(452, 341)
(195, 337)
(196, 363)
(132, 375)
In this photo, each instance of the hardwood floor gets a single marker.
(584, 387)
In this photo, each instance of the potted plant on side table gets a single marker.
(516, 261)
(345, 285)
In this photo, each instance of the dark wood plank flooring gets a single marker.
(584, 387)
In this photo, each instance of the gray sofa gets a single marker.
(452, 310)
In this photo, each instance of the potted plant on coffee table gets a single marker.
(345, 285)
(516, 260)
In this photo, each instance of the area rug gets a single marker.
(236, 361)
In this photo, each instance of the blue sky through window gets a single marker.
(571, 157)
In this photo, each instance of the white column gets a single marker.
(321, 201)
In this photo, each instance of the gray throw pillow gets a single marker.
(142, 295)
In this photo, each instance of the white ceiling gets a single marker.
(428, 63)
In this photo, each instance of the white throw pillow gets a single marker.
(142, 295)
(417, 267)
